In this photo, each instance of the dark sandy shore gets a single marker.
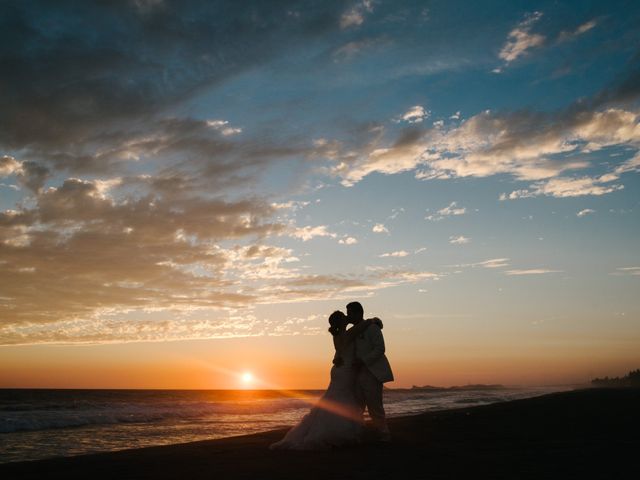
(582, 434)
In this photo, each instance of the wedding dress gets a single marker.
(336, 420)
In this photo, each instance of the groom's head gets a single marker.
(355, 312)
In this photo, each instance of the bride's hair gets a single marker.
(336, 320)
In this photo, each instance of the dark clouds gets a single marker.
(89, 90)
(129, 203)
(74, 69)
(33, 175)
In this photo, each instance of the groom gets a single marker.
(374, 370)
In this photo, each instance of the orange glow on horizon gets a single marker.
(296, 363)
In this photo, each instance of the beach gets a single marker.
(591, 433)
(36, 424)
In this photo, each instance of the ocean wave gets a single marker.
(474, 400)
(31, 419)
(206, 411)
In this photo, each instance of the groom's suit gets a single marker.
(370, 349)
(376, 371)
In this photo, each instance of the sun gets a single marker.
(247, 378)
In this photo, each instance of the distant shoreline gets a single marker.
(319, 389)
(458, 388)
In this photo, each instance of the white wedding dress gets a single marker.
(336, 420)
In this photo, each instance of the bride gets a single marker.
(336, 420)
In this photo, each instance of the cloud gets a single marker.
(521, 144)
(529, 146)
(116, 330)
(155, 232)
(585, 212)
(204, 150)
(98, 99)
(64, 280)
(450, 210)
(459, 240)
(290, 205)
(307, 233)
(395, 213)
(581, 29)
(397, 254)
(29, 174)
(634, 271)
(379, 228)
(415, 114)
(520, 39)
(108, 169)
(223, 127)
(348, 241)
(563, 187)
(491, 263)
(258, 262)
(305, 287)
(396, 276)
(33, 175)
(531, 271)
(77, 249)
(355, 15)
(183, 325)
(354, 48)
(84, 78)
(399, 157)
(8, 166)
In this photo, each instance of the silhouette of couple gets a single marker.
(359, 370)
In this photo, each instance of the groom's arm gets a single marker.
(376, 339)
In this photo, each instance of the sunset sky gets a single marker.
(189, 188)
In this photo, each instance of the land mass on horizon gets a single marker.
(476, 386)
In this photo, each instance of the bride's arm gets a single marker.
(337, 344)
(353, 332)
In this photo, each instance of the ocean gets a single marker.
(42, 423)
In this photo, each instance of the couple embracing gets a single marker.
(360, 368)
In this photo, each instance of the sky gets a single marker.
(189, 188)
